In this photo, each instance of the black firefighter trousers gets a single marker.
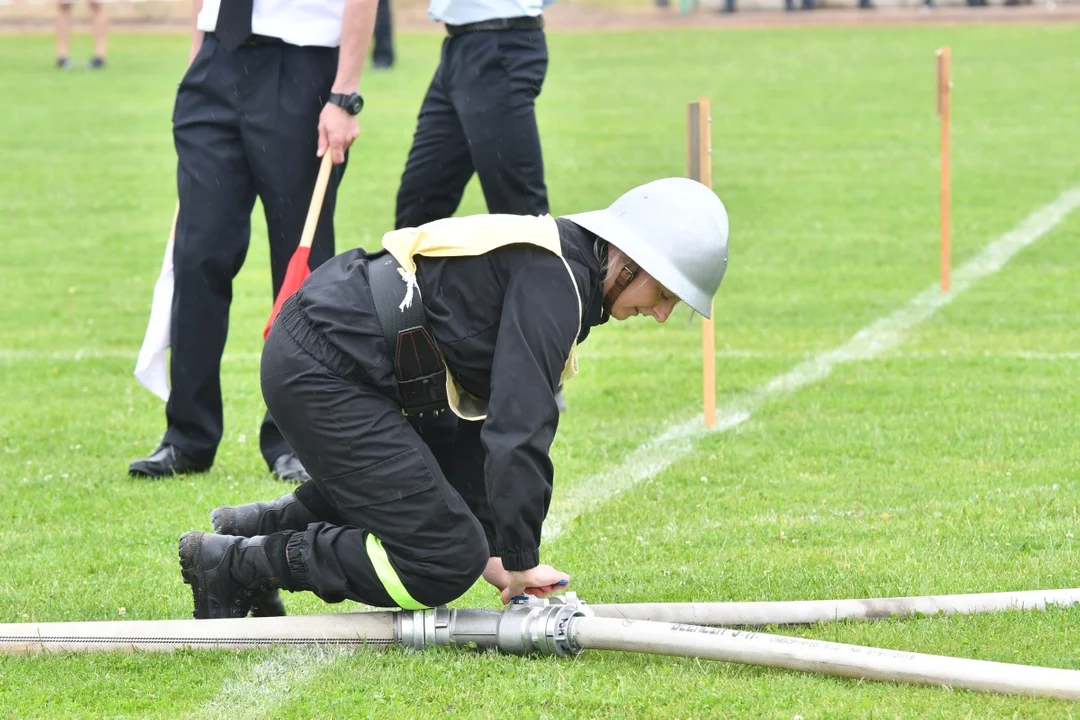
(376, 476)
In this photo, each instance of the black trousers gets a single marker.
(479, 116)
(245, 125)
(382, 46)
(375, 475)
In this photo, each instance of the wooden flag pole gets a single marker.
(699, 167)
(307, 235)
(298, 269)
(944, 86)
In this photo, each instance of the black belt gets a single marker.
(263, 40)
(514, 23)
(418, 366)
(260, 40)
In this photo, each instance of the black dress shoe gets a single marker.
(288, 468)
(167, 460)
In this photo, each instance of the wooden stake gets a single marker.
(944, 85)
(699, 167)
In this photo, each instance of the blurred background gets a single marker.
(36, 13)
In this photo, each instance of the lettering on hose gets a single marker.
(700, 629)
(885, 652)
(696, 629)
(744, 634)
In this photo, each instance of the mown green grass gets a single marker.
(947, 466)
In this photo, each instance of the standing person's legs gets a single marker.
(438, 167)
(494, 83)
(407, 538)
(216, 194)
(99, 25)
(280, 128)
(382, 52)
(63, 33)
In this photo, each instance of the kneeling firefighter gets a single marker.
(417, 386)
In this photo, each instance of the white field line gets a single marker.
(82, 354)
(644, 353)
(677, 441)
(647, 353)
(266, 684)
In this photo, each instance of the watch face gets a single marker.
(357, 105)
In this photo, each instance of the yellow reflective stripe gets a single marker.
(389, 577)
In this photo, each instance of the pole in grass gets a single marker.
(699, 167)
(944, 86)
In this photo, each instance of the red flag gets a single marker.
(298, 270)
(294, 277)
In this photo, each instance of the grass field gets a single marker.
(944, 462)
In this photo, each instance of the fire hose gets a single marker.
(564, 626)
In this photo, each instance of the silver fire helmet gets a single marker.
(675, 229)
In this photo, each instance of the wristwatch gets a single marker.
(354, 102)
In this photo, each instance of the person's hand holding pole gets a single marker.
(338, 128)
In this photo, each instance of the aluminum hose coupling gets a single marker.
(527, 626)
(532, 626)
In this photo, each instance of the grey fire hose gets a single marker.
(561, 626)
(808, 612)
(348, 629)
(819, 656)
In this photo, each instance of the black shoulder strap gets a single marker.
(420, 371)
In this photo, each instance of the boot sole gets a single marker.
(190, 551)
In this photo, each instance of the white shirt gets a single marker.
(461, 12)
(297, 22)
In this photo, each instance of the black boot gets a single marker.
(262, 518)
(225, 572)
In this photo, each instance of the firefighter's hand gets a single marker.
(540, 581)
(496, 575)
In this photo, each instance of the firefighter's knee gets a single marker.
(447, 575)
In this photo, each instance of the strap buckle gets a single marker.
(418, 364)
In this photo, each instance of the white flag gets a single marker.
(152, 367)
